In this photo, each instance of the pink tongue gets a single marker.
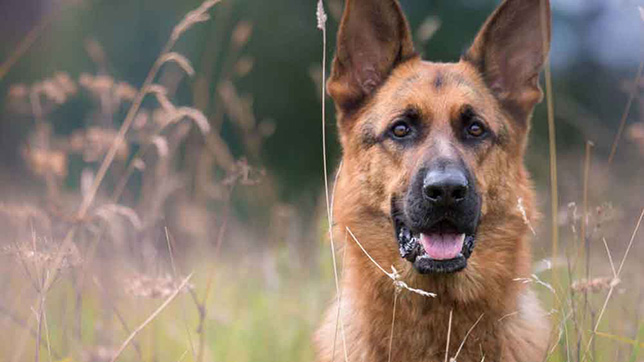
(442, 246)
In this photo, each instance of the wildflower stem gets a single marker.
(158, 311)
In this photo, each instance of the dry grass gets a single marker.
(147, 262)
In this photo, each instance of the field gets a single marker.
(146, 234)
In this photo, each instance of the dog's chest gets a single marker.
(422, 335)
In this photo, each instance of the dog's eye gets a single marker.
(475, 129)
(400, 129)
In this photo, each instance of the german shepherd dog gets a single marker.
(433, 183)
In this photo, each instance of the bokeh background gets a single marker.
(220, 174)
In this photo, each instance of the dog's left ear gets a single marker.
(373, 38)
(510, 51)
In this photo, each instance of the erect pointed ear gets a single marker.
(510, 51)
(373, 38)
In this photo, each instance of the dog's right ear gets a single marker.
(373, 38)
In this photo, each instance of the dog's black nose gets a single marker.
(445, 187)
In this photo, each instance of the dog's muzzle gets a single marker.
(435, 222)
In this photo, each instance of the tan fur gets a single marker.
(513, 327)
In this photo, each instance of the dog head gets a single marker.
(437, 147)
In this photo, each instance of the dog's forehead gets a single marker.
(431, 75)
(437, 90)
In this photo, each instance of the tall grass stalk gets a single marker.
(339, 319)
(393, 323)
(584, 221)
(455, 358)
(321, 24)
(552, 143)
(152, 316)
(394, 275)
(584, 243)
(622, 122)
(196, 16)
(202, 306)
(612, 286)
(28, 41)
(175, 273)
(449, 333)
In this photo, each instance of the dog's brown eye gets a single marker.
(475, 129)
(400, 129)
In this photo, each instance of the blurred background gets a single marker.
(220, 173)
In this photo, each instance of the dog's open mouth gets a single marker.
(441, 248)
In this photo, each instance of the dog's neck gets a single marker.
(368, 300)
